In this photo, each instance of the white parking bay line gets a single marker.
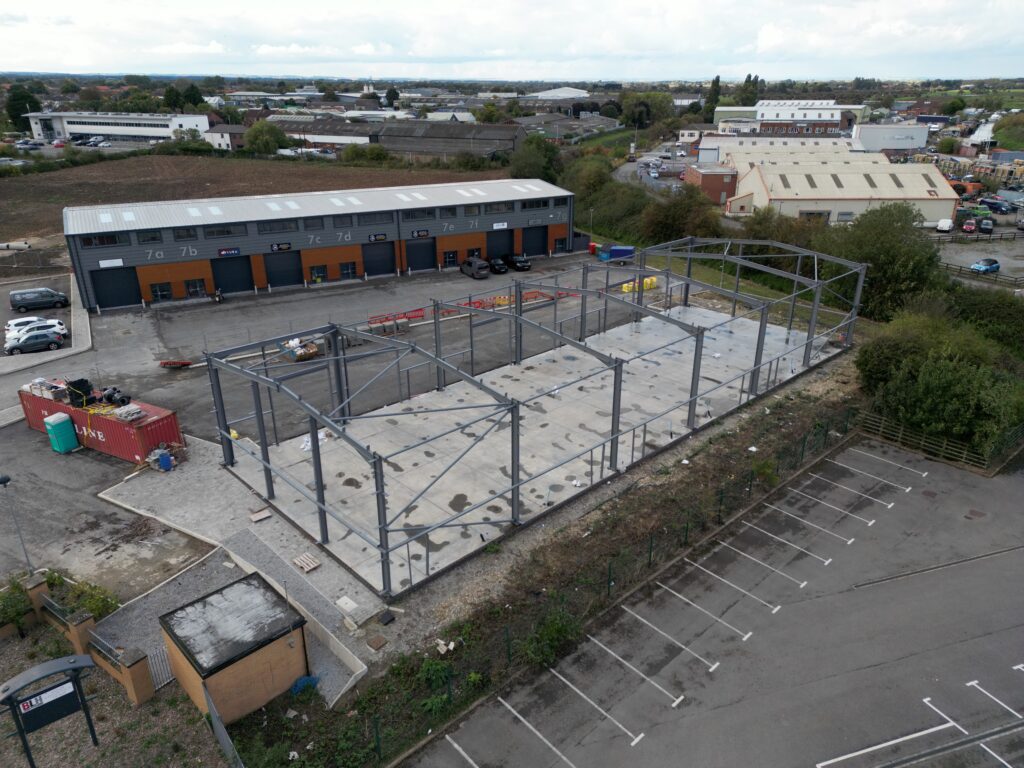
(675, 700)
(1019, 667)
(876, 747)
(595, 705)
(1008, 708)
(460, 750)
(943, 715)
(886, 504)
(832, 506)
(775, 608)
(711, 667)
(894, 463)
(536, 733)
(904, 488)
(997, 757)
(787, 543)
(810, 524)
(800, 584)
(743, 635)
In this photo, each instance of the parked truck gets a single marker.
(620, 254)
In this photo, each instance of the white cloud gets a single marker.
(188, 49)
(369, 49)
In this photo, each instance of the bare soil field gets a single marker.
(32, 206)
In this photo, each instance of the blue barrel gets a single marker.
(164, 461)
(61, 431)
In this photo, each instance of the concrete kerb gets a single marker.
(81, 330)
(711, 533)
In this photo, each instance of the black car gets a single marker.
(986, 226)
(518, 262)
(34, 342)
(498, 265)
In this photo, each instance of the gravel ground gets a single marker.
(166, 731)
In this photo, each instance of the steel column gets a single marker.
(698, 352)
(222, 419)
(812, 326)
(518, 309)
(583, 305)
(855, 309)
(382, 524)
(514, 413)
(613, 460)
(318, 477)
(438, 345)
(755, 373)
(640, 286)
(736, 286)
(686, 285)
(796, 290)
(554, 313)
(261, 428)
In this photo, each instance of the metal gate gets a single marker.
(160, 668)
(500, 243)
(535, 241)
(232, 274)
(379, 258)
(283, 268)
(421, 255)
(116, 287)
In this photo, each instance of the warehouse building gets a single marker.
(128, 253)
(114, 126)
(717, 149)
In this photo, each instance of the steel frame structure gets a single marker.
(343, 346)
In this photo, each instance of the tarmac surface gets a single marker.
(869, 615)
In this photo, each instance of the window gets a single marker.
(451, 259)
(471, 210)
(726, 179)
(195, 288)
(810, 181)
(160, 291)
(378, 217)
(348, 271)
(315, 222)
(896, 180)
(105, 241)
(283, 225)
(448, 212)
(418, 214)
(342, 220)
(506, 207)
(845, 216)
(837, 180)
(870, 181)
(532, 205)
(784, 180)
(185, 233)
(225, 230)
(928, 180)
(318, 273)
(473, 253)
(150, 236)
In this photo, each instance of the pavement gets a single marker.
(868, 615)
(1009, 253)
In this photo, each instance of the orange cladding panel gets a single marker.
(175, 273)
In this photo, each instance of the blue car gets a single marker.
(985, 265)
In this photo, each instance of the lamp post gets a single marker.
(4, 480)
(591, 221)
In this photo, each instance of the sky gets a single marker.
(522, 40)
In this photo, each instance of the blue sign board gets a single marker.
(229, 251)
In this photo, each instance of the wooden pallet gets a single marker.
(306, 562)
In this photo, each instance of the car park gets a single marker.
(970, 226)
(20, 322)
(34, 342)
(985, 266)
(57, 326)
(476, 268)
(37, 298)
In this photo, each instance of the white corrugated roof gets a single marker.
(90, 219)
(780, 144)
(892, 182)
(744, 161)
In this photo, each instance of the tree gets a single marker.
(902, 260)
(687, 212)
(330, 94)
(173, 99)
(1009, 132)
(282, 86)
(19, 103)
(714, 94)
(192, 95)
(89, 98)
(947, 145)
(953, 106)
(391, 96)
(139, 81)
(69, 86)
(536, 158)
(265, 138)
(213, 83)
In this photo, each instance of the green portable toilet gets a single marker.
(61, 431)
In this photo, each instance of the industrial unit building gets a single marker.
(115, 126)
(891, 136)
(802, 116)
(717, 149)
(129, 253)
(839, 192)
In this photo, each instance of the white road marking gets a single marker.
(788, 543)
(997, 757)
(894, 463)
(711, 667)
(1011, 710)
(537, 733)
(675, 701)
(460, 751)
(886, 504)
(877, 747)
(904, 488)
(744, 635)
(943, 715)
(800, 584)
(1019, 667)
(832, 506)
(595, 705)
(775, 608)
(812, 525)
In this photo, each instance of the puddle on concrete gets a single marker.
(505, 472)
(392, 465)
(492, 508)
(459, 502)
(392, 422)
(429, 454)
(340, 474)
(352, 483)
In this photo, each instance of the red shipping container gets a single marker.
(129, 440)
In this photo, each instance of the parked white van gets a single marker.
(944, 225)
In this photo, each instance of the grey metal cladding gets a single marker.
(166, 215)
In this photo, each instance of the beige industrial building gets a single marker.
(838, 192)
(717, 149)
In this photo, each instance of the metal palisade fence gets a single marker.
(220, 731)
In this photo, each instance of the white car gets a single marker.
(57, 326)
(104, 144)
(654, 174)
(944, 225)
(17, 324)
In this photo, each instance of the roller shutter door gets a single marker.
(232, 274)
(283, 268)
(500, 243)
(379, 258)
(421, 254)
(116, 287)
(535, 241)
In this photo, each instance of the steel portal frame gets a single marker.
(271, 372)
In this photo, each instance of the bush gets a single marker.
(997, 315)
(553, 636)
(14, 604)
